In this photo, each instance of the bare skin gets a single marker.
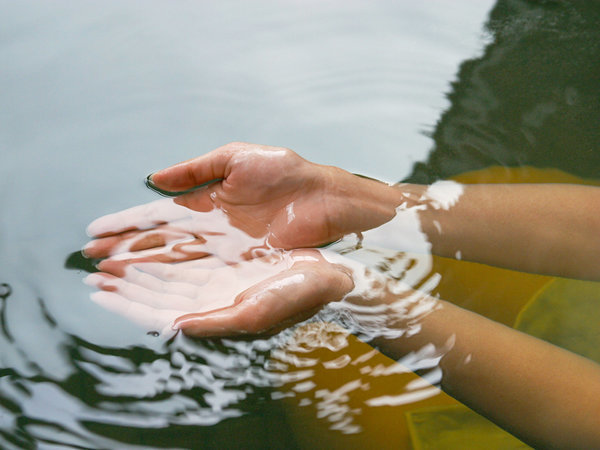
(321, 197)
(280, 201)
(550, 229)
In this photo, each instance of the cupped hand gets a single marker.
(207, 297)
(217, 260)
(271, 194)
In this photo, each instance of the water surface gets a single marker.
(96, 95)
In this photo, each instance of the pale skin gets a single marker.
(277, 202)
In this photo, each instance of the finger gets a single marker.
(140, 294)
(187, 297)
(219, 284)
(194, 172)
(290, 296)
(185, 272)
(137, 218)
(143, 315)
(180, 252)
(222, 277)
(148, 281)
(225, 240)
(132, 241)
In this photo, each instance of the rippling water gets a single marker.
(96, 95)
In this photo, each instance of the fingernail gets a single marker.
(151, 185)
(149, 181)
(86, 248)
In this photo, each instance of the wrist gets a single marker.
(358, 203)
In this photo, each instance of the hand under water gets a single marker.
(207, 297)
(218, 260)
(269, 193)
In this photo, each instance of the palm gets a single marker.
(206, 297)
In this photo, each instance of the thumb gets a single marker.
(281, 300)
(192, 173)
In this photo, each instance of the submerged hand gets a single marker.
(163, 231)
(270, 193)
(207, 262)
(206, 297)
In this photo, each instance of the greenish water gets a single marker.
(93, 96)
(532, 98)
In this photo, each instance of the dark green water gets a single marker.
(533, 98)
(94, 96)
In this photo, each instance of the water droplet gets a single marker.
(153, 333)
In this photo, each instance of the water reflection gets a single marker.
(191, 384)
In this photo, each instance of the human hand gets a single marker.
(207, 297)
(268, 198)
(274, 194)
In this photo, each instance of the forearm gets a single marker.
(541, 393)
(551, 229)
